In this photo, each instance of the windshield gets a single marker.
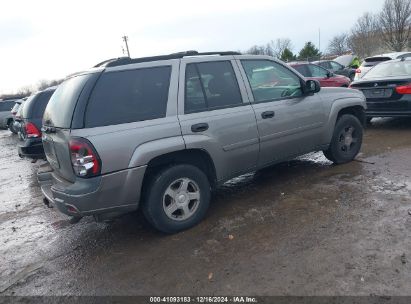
(59, 110)
(390, 69)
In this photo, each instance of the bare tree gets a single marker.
(44, 84)
(256, 50)
(269, 49)
(279, 45)
(25, 91)
(394, 21)
(338, 45)
(364, 39)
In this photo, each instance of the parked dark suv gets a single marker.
(31, 145)
(337, 68)
(161, 132)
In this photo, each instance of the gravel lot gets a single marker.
(305, 227)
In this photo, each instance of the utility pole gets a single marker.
(125, 38)
(319, 42)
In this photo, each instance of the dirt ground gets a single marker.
(301, 228)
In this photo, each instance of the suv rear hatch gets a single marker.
(58, 118)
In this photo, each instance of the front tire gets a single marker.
(346, 141)
(177, 198)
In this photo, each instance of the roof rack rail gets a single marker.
(127, 60)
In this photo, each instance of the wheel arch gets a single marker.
(196, 157)
(357, 111)
(353, 106)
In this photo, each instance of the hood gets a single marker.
(341, 93)
(345, 60)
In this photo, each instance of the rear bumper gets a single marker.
(389, 108)
(388, 113)
(109, 195)
(31, 148)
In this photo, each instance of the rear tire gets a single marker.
(177, 198)
(11, 127)
(346, 141)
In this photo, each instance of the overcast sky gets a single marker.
(51, 39)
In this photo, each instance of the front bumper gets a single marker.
(31, 148)
(108, 195)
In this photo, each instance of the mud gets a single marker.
(305, 227)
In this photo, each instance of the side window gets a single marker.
(317, 71)
(270, 80)
(209, 86)
(302, 69)
(324, 64)
(6, 106)
(129, 96)
(336, 67)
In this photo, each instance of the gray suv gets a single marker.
(160, 133)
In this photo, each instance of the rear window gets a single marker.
(129, 96)
(59, 110)
(25, 111)
(371, 61)
(36, 104)
(390, 69)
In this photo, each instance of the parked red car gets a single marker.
(324, 76)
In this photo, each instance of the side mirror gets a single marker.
(330, 74)
(312, 86)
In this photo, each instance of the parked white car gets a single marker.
(370, 62)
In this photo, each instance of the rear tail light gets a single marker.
(358, 71)
(84, 158)
(404, 89)
(31, 130)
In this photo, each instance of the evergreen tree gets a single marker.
(287, 55)
(309, 51)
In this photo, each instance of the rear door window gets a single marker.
(211, 85)
(129, 96)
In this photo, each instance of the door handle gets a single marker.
(200, 127)
(267, 114)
